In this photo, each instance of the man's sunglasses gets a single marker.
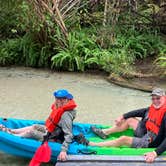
(156, 98)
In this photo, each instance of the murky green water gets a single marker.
(27, 93)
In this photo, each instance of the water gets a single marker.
(27, 93)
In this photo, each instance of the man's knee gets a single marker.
(130, 120)
(125, 140)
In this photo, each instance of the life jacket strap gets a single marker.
(52, 121)
(151, 135)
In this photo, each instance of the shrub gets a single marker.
(24, 51)
(161, 60)
(9, 53)
(81, 52)
(72, 52)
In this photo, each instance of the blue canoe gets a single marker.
(26, 148)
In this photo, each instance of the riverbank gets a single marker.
(145, 77)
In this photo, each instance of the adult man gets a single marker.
(150, 131)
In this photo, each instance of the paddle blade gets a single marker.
(34, 162)
(42, 154)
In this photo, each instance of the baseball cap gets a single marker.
(63, 93)
(158, 92)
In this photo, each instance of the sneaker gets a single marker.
(81, 139)
(99, 132)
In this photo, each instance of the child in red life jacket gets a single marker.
(59, 122)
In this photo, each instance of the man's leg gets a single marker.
(103, 133)
(128, 123)
(121, 141)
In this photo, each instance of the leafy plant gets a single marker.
(23, 51)
(118, 61)
(29, 51)
(9, 11)
(9, 52)
(161, 60)
(30, 37)
(140, 43)
(73, 52)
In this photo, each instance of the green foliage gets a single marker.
(18, 51)
(138, 42)
(73, 51)
(119, 61)
(9, 12)
(29, 36)
(161, 60)
(81, 52)
(23, 51)
(142, 44)
(9, 52)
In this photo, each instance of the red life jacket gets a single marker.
(56, 114)
(155, 117)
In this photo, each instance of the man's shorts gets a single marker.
(140, 139)
(141, 142)
(140, 130)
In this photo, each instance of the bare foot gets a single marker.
(5, 129)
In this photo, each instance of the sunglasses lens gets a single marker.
(156, 98)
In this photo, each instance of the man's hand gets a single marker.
(119, 120)
(62, 156)
(150, 157)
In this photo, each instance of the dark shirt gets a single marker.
(160, 141)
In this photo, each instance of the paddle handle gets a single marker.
(46, 137)
(86, 152)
